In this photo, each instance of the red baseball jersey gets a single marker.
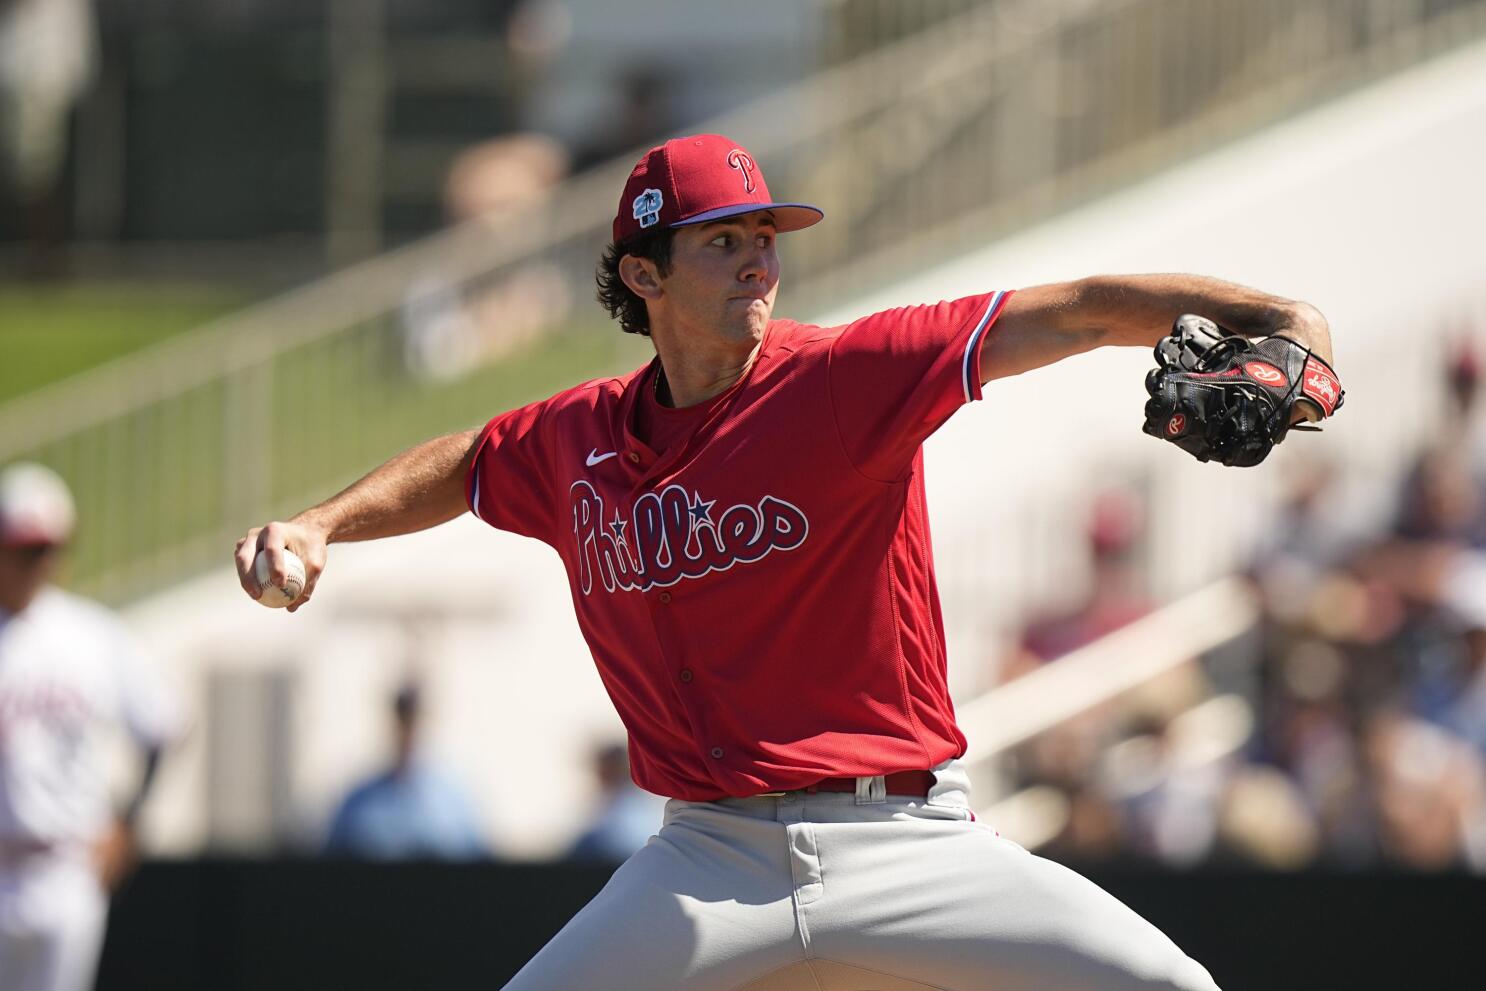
(756, 582)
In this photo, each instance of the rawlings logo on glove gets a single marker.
(1221, 397)
(1321, 385)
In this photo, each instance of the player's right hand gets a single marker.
(304, 540)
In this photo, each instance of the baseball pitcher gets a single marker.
(747, 547)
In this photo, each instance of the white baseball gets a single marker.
(276, 596)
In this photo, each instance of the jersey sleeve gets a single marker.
(508, 484)
(896, 376)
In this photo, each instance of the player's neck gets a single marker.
(694, 374)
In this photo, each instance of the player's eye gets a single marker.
(723, 240)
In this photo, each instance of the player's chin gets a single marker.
(755, 314)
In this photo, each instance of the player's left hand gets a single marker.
(1221, 397)
(114, 855)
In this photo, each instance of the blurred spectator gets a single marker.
(1174, 776)
(627, 816)
(1464, 711)
(1308, 536)
(70, 678)
(1465, 419)
(1442, 499)
(1369, 746)
(413, 809)
(501, 174)
(48, 49)
(646, 115)
(1463, 379)
(1427, 790)
(537, 31)
(1116, 591)
(452, 327)
(1263, 821)
(1066, 758)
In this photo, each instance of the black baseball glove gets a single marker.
(1221, 397)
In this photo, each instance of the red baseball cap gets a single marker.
(698, 179)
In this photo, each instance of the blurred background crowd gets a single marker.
(248, 248)
(1343, 731)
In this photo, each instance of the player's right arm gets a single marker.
(420, 488)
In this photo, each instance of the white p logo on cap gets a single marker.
(740, 160)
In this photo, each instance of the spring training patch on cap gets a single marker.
(647, 207)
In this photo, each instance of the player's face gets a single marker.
(723, 279)
(23, 572)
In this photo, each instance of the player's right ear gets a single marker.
(641, 276)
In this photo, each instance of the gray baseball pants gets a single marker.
(841, 892)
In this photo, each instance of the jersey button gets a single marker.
(686, 675)
(665, 598)
(634, 457)
(717, 753)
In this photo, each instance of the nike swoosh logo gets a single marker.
(594, 457)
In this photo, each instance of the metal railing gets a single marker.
(973, 127)
(1177, 634)
(1112, 665)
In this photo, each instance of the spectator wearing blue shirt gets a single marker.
(412, 810)
(627, 816)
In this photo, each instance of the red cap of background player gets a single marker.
(697, 179)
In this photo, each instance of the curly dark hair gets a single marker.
(621, 302)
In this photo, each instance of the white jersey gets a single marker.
(47, 46)
(70, 676)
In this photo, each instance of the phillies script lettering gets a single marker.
(672, 534)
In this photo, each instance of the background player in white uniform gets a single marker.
(69, 676)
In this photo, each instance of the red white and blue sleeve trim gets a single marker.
(475, 499)
(970, 365)
(472, 480)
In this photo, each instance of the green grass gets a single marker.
(163, 490)
(341, 407)
(47, 334)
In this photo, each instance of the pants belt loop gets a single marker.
(872, 791)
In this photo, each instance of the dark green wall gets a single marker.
(237, 925)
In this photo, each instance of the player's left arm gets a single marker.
(1043, 324)
(117, 850)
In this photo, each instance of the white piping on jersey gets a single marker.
(985, 321)
(475, 501)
